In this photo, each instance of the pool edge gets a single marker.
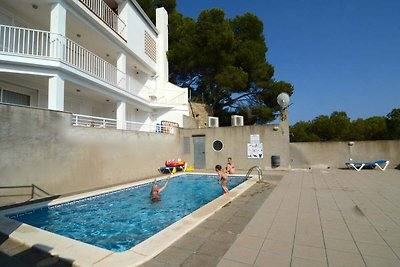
(82, 254)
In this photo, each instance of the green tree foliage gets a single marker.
(358, 131)
(302, 132)
(227, 68)
(222, 62)
(322, 127)
(338, 127)
(393, 123)
(341, 125)
(149, 7)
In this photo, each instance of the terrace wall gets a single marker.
(275, 140)
(336, 154)
(42, 147)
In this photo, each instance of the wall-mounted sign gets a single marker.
(255, 151)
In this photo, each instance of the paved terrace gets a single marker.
(310, 218)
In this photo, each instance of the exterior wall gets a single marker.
(235, 140)
(190, 123)
(336, 154)
(41, 147)
(137, 24)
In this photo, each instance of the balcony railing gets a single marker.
(173, 98)
(44, 44)
(22, 41)
(102, 123)
(107, 15)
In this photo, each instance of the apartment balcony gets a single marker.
(107, 15)
(38, 44)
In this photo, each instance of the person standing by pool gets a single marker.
(230, 167)
(156, 190)
(222, 175)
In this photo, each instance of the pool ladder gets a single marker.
(258, 170)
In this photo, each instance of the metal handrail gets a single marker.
(107, 15)
(32, 186)
(45, 44)
(100, 122)
(48, 45)
(258, 170)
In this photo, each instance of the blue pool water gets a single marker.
(120, 220)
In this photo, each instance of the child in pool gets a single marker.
(222, 175)
(156, 190)
(230, 167)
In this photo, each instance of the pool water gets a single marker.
(119, 220)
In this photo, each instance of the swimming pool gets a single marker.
(119, 220)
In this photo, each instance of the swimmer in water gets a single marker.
(156, 190)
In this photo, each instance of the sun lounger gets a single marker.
(166, 169)
(358, 166)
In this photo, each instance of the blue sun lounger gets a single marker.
(358, 166)
(166, 169)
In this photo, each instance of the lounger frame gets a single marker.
(358, 166)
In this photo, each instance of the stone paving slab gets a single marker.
(324, 218)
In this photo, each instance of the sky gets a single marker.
(340, 55)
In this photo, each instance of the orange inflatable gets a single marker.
(174, 163)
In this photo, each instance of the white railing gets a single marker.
(150, 94)
(16, 40)
(99, 122)
(44, 44)
(106, 14)
(179, 99)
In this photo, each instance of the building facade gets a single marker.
(102, 60)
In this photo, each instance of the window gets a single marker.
(218, 145)
(14, 98)
(186, 145)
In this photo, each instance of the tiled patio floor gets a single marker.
(324, 218)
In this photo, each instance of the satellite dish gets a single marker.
(283, 100)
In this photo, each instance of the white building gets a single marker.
(102, 60)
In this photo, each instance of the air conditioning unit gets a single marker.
(237, 120)
(213, 122)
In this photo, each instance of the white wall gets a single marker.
(136, 26)
(336, 154)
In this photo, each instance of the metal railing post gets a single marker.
(32, 191)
